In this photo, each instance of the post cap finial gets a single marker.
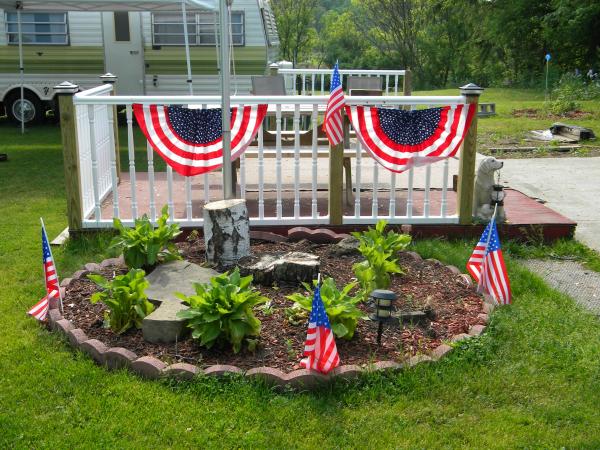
(66, 87)
(471, 89)
(108, 78)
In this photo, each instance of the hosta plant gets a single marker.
(340, 306)
(144, 246)
(125, 298)
(223, 310)
(379, 250)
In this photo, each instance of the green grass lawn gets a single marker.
(532, 380)
(505, 126)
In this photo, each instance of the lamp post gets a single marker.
(384, 302)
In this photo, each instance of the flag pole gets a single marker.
(21, 68)
(225, 100)
(60, 300)
(186, 41)
(489, 237)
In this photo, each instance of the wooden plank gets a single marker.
(466, 170)
(71, 161)
(336, 172)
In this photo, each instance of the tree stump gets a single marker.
(226, 231)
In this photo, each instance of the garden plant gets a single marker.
(125, 298)
(223, 310)
(144, 246)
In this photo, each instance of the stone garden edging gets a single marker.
(149, 367)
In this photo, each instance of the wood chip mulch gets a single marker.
(451, 304)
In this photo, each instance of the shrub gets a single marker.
(570, 91)
(340, 306)
(222, 309)
(379, 250)
(125, 298)
(145, 246)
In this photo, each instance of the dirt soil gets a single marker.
(451, 305)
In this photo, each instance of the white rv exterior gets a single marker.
(144, 49)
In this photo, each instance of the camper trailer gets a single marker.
(144, 49)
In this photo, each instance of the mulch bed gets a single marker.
(452, 306)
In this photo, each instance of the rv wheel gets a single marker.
(32, 108)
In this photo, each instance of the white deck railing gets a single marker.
(284, 185)
(316, 81)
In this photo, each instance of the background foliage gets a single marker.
(445, 42)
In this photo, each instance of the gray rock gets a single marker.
(291, 267)
(163, 325)
(346, 247)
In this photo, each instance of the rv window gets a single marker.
(121, 19)
(38, 28)
(167, 28)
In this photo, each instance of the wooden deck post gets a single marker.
(468, 154)
(336, 183)
(68, 131)
(109, 78)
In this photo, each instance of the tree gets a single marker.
(295, 23)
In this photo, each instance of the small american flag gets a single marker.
(40, 309)
(333, 124)
(486, 265)
(320, 349)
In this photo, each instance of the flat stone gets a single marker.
(65, 282)
(387, 365)
(54, 316)
(111, 262)
(455, 270)
(80, 274)
(291, 267)
(267, 236)
(346, 247)
(64, 326)
(318, 236)
(483, 317)
(163, 325)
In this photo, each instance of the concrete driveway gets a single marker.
(570, 186)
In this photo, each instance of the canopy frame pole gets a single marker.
(225, 102)
(186, 41)
(21, 68)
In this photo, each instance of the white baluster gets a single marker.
(188, 198)
(296, 161)
(113, 163)
(393, 195)
(94, 156)
(444, 206)
(322, 84)
(312, 84)
(357, 185)
(150, 154)
(315, 159)
(278, 206)
(396, 85)
(243, 175)
(303, 90)
(427, 190)
(170, 194)
(206, 182)
(387, 84)
(375, 206)
(261, 174)
(409, 199)
(131, 153)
